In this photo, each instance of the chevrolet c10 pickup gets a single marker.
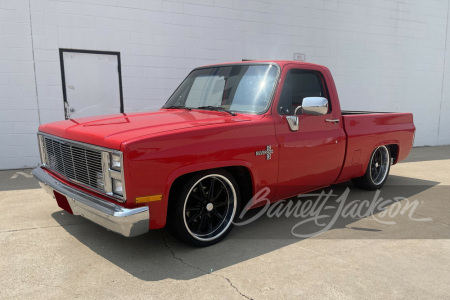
(227, 132)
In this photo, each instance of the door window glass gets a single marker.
(298, 85)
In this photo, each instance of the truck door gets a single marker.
(312, 156)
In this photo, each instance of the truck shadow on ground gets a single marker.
(158, 256)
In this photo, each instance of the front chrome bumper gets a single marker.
(127, 222)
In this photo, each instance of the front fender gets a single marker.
(154, 163)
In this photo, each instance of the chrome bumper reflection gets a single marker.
(127, 222)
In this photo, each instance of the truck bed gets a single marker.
(367, 130)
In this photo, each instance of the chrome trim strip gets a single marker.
(85, 145)
(106, 176)
(116, 175)
(127, 222)
(42, 149)
(124, 191)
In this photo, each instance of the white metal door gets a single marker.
(92, 84)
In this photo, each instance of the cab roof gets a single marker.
(281, 63)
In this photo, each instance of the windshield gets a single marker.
(237, 88)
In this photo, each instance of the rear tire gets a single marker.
(377, 171)
(202, 210)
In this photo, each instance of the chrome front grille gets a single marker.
(74, 161)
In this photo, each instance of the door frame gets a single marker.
(280, 122)
(63, 75)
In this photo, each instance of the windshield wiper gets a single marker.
(177, 107)
(217, 108)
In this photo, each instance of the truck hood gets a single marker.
(112, 130)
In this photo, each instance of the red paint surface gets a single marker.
(62, 202)
(158, 147)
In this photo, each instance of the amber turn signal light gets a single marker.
(149, 198)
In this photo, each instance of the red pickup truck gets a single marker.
(227, 132)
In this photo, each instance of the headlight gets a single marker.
(113, 175)
(116, 163)
(117, 187)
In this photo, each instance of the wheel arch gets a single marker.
(241, 173)
(392, 146)
(394, 150)
(367, 181)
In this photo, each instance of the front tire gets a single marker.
(202, 210)
(377, 171)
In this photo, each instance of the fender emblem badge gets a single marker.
(268, 152)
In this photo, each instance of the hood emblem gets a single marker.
(268, 152)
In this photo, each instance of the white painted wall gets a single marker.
(18, 106)
(385, 55)
(444, 112)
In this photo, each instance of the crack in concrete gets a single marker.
(181, 260)
(233, 286)
(34, 228)
(432, 219)
(204, 271)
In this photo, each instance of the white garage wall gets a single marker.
(444, 116)
(18, 106)
(384, 55)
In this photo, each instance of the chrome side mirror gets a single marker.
(313, 106)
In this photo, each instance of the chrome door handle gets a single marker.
(335, 121)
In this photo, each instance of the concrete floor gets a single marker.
(47, 253)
